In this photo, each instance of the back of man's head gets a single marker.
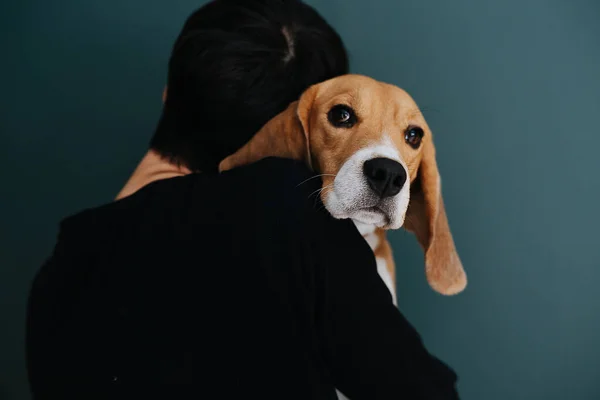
(235, 65)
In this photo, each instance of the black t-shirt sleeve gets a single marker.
(371, 349)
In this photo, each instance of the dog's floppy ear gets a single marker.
(286, 135)
(426, 218)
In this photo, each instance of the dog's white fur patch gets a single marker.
(386, 276)
(364, 229)
(373, 240)
(340, 395)
(352, 197)
(368, 233)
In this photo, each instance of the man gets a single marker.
(225, 286)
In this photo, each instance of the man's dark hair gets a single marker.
(235, 65)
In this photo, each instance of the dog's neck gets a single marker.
(152, 168)
(368, 232)
(363, 228)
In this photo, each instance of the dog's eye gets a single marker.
(341, 116)
(413, 136)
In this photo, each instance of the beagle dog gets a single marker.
(373, 149)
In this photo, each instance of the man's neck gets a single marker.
(152, 168)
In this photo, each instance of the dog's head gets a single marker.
(375, 153)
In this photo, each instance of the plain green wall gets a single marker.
(510, 88)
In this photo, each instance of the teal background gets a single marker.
(510, 88)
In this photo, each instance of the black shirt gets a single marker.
(231, 286)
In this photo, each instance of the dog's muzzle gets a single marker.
(371, 188)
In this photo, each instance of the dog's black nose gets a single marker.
(385, 176)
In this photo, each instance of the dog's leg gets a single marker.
(377, 240)
(386, 267)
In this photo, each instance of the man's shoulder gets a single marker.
(280, 170)
(283, 189)
(277, 179)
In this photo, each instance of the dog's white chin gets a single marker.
(378, 219)
(369, 217)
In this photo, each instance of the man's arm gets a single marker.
(372, 350)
